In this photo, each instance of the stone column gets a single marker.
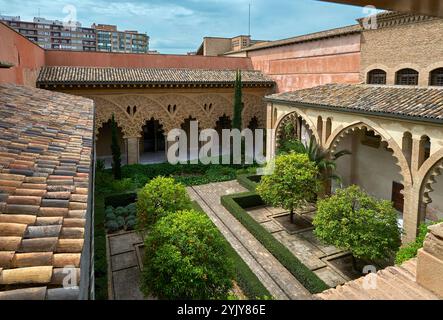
(270, 136)
(430, 261)
(133, 149)
(411, 213)
(417, 155)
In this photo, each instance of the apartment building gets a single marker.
(54, 34)
(58, 35)
(109, 39)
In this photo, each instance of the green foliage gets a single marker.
(251, 286)
(120, 218)
(293, 183)
(186, 258)
(238, 104)
(303, 274)
(326, 164)
(100, 263)
(100, 165)
(410, 251)
(158, 198)
(116, 153)
(248, 182)
(355, 221)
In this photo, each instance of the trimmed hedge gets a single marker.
(235, 204)
(120, 199)
(248, 181)
(246, 279)
(100, 262)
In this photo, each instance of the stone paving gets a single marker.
(301, 241)
(274, 276)
(124, 267)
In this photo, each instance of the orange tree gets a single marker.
(293, 183)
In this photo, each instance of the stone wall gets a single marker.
(430, 261)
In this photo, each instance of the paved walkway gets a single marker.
(274, 276)
(124, 266)
(299, 238)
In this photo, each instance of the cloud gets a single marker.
(178, 26)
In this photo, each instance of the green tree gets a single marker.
(238, 104)
(158, 198)
(293, 183)
(352, 220)
(326, 163)
(186, 258)
(116, 153)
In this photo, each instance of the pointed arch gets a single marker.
(341, 132)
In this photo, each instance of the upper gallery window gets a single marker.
(377, 76)
(437, 77)
(407, 77)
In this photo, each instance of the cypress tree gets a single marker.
(238, 105)
(116, 153)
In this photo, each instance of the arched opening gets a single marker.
(424, 150)
(320, 126)
(193, 143)
(223, 122)
(293, 127)
(104, 141)
(407, 147)
(407, 77)
(376, 76)
(436, 77)
(328, 128)
(432, 202)
(152, 143)
(363, 167)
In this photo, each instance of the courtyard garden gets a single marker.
(194, 231)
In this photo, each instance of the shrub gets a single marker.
(112, 226)
(355, 221)
(293, 182)
(186, 258)
(158, 198)
(233, 203)
(411, 249)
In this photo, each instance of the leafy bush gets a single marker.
(186, 258)
(302, 273)
(355, 221)
(158, 198)
(293, 182)
(410, 251)
(120, 218)
(251, 286)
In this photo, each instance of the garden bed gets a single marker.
(236, 205)
(250, 285)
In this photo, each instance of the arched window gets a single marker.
(407, 77)
(376, 76)
(328, 128)
(437, 77)
(320, 126)
(407, 146)
(425, 149)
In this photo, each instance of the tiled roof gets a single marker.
(46, 142)
(303, 38)
(411, 102)
(94, 75)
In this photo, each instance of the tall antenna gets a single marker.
(249, 30)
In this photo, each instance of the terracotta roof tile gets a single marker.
(45, 149)
(416, 103)
(119, 76)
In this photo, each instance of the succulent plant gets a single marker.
(112, 226)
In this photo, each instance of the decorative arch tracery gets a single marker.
(340, 133)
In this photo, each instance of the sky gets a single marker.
(178, 26)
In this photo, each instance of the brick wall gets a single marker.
(414, 45)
